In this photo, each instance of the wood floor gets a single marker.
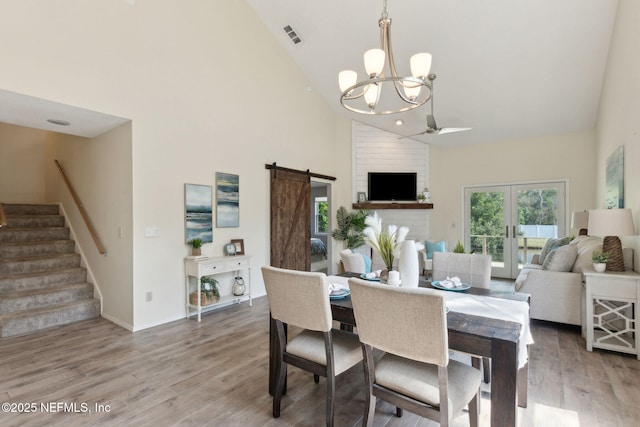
(215, 373)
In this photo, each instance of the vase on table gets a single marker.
(408, 264)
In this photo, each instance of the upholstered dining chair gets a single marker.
(474, 269)
(302, 299)
(415, 373)
(353, 261)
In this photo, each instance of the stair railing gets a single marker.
(83, 212)
(3, 219)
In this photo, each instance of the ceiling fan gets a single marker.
(432, 128)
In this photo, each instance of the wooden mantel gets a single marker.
(399, 205)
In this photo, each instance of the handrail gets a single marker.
(83, 212)
(3, 219)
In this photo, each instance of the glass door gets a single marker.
(512, 222)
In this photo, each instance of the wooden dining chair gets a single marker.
(302, 299)
(474, 269)
(415, 373)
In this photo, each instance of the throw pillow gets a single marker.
(561, 259)
(367, 263)
(546, 249)
(432, 247)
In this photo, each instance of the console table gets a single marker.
(209, 266)
(611, 311)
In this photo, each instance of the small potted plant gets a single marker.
(209, 292)
(600, 260)
(421, 198)
(196, 247)
(458, 248)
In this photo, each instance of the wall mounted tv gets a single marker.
(392, 186)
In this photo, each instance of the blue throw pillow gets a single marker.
(367, 263)
(432, 247)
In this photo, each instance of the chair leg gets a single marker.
(486, 369)
(277, 396)
(331, 392)
(398, 412)
(474, 410)
(316, 378)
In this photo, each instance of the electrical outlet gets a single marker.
(149, 296)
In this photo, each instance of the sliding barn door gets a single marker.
(290, 220)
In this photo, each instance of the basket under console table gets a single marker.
(210, 266)
(611, 311)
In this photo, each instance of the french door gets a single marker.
(512, 222)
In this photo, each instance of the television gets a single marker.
(392, 186)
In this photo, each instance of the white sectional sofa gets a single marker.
(556, 286)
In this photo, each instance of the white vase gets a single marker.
(600, 266)
(408, 264)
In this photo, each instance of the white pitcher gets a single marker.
(408, 264)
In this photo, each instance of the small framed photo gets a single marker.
(239, 244)
(362, 197)
(230, 249)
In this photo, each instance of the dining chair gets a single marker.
(474, 269)
(302, 299)
(353, 262)
(415, 372)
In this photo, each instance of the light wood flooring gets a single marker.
(215, 373)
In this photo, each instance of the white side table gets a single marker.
(611, 311)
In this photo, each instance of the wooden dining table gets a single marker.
(477, 335)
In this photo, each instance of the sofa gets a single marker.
(554, 278)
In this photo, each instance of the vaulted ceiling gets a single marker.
(508, 69)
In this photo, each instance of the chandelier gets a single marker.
(365, 96)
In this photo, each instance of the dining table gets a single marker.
(485, 336)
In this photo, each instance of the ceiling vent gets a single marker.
(292, 34)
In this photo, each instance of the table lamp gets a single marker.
(611, 223)
(580, 220)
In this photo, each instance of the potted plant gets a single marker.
(386, 242)
(422, 198)
(209, 292)
(196, 246)
(350, 227)
(600, 260)
(458, 248)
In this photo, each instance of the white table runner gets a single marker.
(497, 308)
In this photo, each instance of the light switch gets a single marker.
(152, 232)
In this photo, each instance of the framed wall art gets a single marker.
(198, 212)
(227, 200)
(614, 191)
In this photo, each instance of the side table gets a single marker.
(611, 311)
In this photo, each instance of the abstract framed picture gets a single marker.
(614, 190)
(198, 212)
(227, 200)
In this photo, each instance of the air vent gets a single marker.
(292, 34)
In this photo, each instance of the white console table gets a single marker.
(209, 266)
(611, 311)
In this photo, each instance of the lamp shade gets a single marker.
(611, 222)
(346, 79)
(374, 61)
(580, 220)
(420, 65)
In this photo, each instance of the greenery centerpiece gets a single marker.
(386, 242)
(350, 227)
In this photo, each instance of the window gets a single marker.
(321, 212)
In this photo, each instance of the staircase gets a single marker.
(41, 281)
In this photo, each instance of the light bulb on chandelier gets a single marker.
(412, 91)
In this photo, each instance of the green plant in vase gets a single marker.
(600, 260)
(196, 245)
(458, 248)
(209, 287)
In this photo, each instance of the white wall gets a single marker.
(375, 150)
(618, 122)
(22, 163)
(99, 169)
(185, 74)
(570, 157)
